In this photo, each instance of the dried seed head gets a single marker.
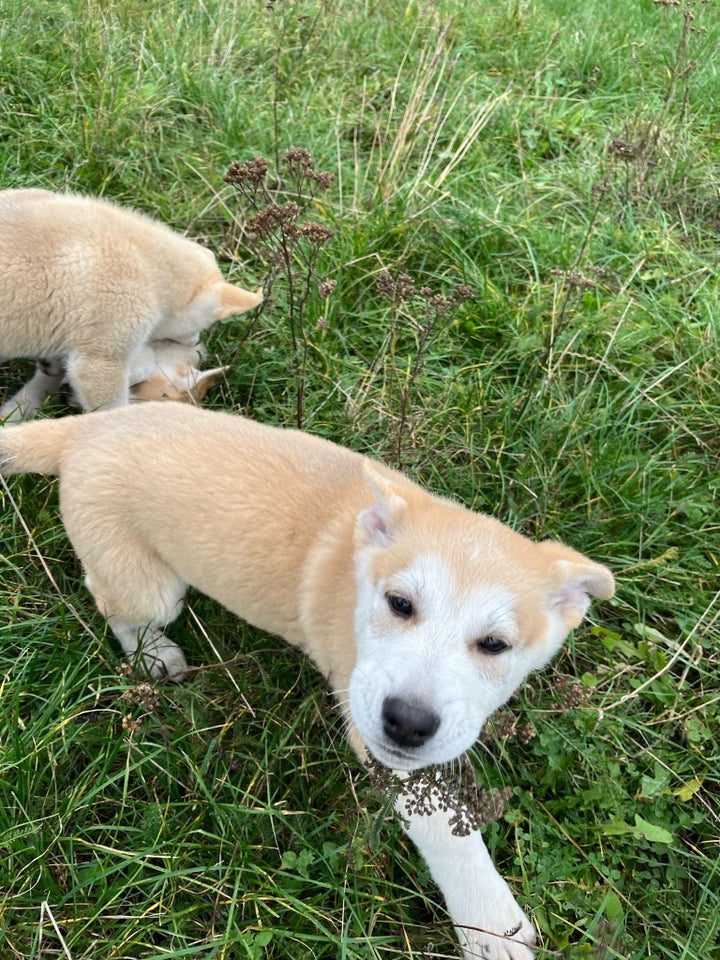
(622, 148)
(252, 171)
(440, 304)
(325, 288)
(599, 188)
(385, 284)
(464, 292)
(574, 279)
(297, 159)
(130, 724)
(405, 287)
(501, 726)
(571, 692)
(146, 696)
(316, 233)
(272, 218)
(322, 179)
(526, 733)
(471, 807)
(440, 790)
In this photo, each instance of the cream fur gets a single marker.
(88, 285)
(173, 374)
(315, 543)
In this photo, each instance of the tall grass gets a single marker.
(561, 161)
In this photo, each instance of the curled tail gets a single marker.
(36, 447)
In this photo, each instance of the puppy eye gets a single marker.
(400, 606)
(492, 645)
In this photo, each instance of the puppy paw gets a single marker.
(514, 939)
(162, 658)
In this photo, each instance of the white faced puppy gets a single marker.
(85, 285)
(430, 614)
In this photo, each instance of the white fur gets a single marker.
(433, 661)
(487, 919)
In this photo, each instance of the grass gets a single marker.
(563, 162)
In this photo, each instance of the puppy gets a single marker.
(423, 616)
(174, 375)
(163, 370)
(85, 286)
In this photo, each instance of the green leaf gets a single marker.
(651, 831)
(289, 860)
(652, 787)
(613, 908)
(617, 828)
(642, 829)
(651, 634)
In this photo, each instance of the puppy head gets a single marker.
(185, 384)
(454, 610)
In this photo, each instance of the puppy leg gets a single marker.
(138, 615)
(143, 364)
(27, 401)
(98, 381)
(489, 923)
(157, 653)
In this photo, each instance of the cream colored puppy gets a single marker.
(426, 614)
(173, 374)
(86, 285)
(163, 370)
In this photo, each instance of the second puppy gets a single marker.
(86, 285)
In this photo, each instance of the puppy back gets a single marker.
(35, 447)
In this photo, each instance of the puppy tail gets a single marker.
(35, 447)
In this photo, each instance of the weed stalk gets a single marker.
(428, 314)
(285, 242)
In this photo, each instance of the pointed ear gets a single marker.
(200, 382)
(186, 384)
(234, 299)
(378, 524)
(575, 579)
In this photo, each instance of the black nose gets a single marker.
(408, 725)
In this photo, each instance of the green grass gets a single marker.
(561, 160)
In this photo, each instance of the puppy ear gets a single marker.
(234, 299)
(185, 384)
(378, 524)
(200, 382)
(575, 579)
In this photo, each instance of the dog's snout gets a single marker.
(406, 724)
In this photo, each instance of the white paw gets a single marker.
(162, 658)
(506, 935)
